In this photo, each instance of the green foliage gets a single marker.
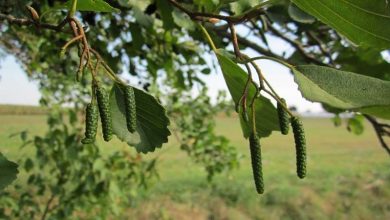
(194, 128)
(166, 14)
(367, 61)
(257, 167)
(360, 21)
(66, 176)
(300, 146)
(8, 172)
(91, 123)
(355, 124)
(105, 113)
(152, 122)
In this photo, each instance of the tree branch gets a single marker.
(321, 46)
(27, 22)
(47, 208)
(380, 131)
(200, 16)
(297, 45)
(241, 40)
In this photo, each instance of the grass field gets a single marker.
(348, 176)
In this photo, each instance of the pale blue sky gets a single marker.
(15, 87)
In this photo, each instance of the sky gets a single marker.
(15, 87)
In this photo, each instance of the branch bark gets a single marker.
(28, 22)
(380, 130)
(244, 41)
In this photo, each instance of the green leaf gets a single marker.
(341, 89)
(137, 39)
(377, 111)
(364, 60)
(336, 120)
(8, 171)
(355, 124)
(183, 20)
(142, 18)
(361, 21)
(166, 14)
(298, 15)
(238, 7)
(266, 115)
(152, 122)
(142, 5)
(90, 5)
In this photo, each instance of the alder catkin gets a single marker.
(130, 105)
(105, 113)
(284, 119)
(91, 123)
(255, 148)
(300, 146)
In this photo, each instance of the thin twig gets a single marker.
(271, 90)
(47, 207)
(297, 45)
(380, 132)
(244, 41)
(200, 16)
(71, 42)
(27, 22)
(321, 46)
(234, 41)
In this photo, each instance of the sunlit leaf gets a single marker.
(341, 89)
(361, 21)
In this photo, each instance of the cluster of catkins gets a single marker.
(300, 146)
(102, 106)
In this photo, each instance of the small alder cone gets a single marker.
(105, 113)
(300, 146)
(91, 123)
(131, 112)
(284, 119)
(254, 144)
(214, 20)
(33, 13)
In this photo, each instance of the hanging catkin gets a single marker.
(91, 123)
(284, 119)
(300, 146)
(255, 148)
(130, 105)
(105, 113)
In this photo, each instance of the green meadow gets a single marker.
(348, 176)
